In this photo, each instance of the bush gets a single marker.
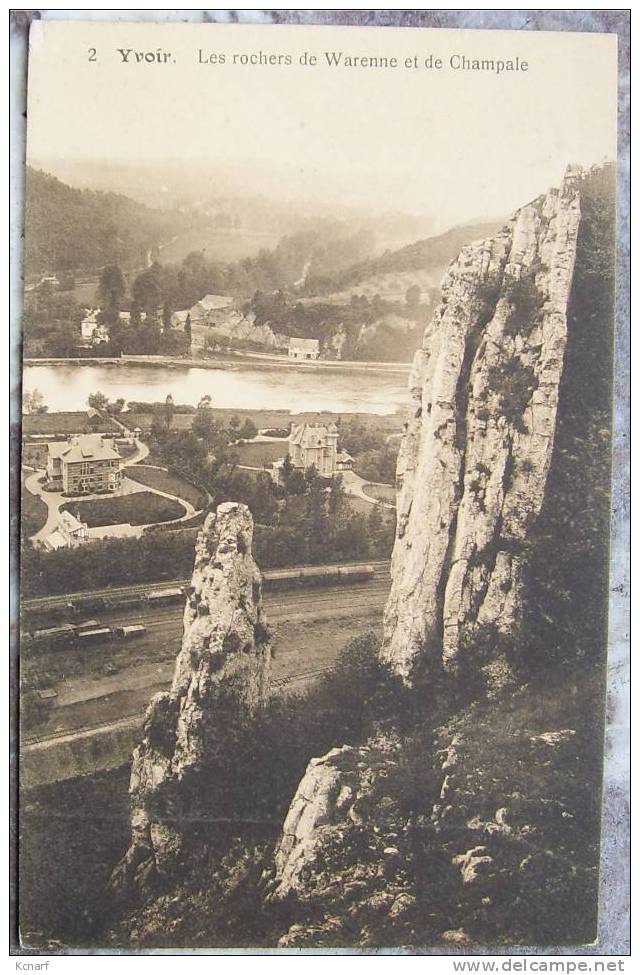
(277, 432)
(526, 303)
(121, 561)
(513, 383)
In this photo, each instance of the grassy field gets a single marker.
(266, 419)
(259, 454)
(143, 508)
(180, 421)
(33, 513)
(161, 479)
(34, 455)
(39, 424)
(126, 449)
(381, 492)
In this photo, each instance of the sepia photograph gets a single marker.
(316, 418)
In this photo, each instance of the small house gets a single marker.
(304, 348)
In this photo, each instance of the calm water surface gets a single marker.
(66, 387)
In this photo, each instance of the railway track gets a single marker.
(325, 596)
(42, 603)
(136, 717)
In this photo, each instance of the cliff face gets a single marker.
(472, 472)
(477, 447)
(221, 674)
(234, 325)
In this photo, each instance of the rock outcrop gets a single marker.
(221, 676)
(242, 328)
(477, 447)
(493, 830)
(472, 472)
(333, 795)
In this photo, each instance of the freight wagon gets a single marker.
(129, 632)
(96, 635)
(54, 636)
(165, 595)
(317, 575)
(310, 575)
(87, 625)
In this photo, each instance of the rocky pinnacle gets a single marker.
(221, 675)
(477, 446)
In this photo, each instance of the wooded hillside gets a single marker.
(71, 229)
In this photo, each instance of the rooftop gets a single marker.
(311, 435)
(211, 302)
(310, 345)
(69, 522)
(87, 447)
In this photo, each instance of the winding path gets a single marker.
(54, 500)
(354, 485)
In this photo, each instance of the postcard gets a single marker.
(317, 356)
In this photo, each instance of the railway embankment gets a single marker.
(82, 752)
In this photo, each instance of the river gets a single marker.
(66, 386)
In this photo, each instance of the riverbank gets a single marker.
(255, 359)
(47, 426)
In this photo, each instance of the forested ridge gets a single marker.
(73, 229)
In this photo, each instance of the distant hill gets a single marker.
(72, 229)
(389, 276)
(432, 254)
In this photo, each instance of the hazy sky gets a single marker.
(449, 144)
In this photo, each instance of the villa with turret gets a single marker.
(316, 445)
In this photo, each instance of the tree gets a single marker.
(286, 471)
(111, 291)
(116, 407)
(203, 425)
(166, 315)
(187, 331)
(317, 522)
(248, 430)
(147, 291)
(169, 410)
(311, 474)
(375, 527)
(63, 340)
(98, 401)
(117, 338)
(135, 319)
(297, 483)
(336, 494)
(33, 402)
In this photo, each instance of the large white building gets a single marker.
(86, 464)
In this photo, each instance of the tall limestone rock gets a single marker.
(477, 447)
(472, 472)
(221, 674)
